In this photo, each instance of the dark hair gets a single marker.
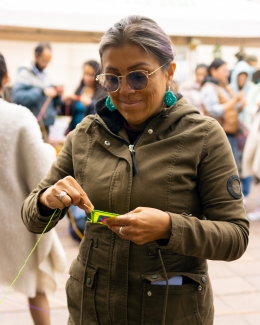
(3, 69)
(201, 65)
(41, 47)
(256, 77)
(96, 66)
(215, 64)
(141, 31)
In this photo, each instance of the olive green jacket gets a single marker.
(183, 165)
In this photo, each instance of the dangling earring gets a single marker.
(169, 98)
(110, 105)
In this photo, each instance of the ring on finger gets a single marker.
(121, 232)
(61, 195)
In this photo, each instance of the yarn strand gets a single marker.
(20, 271)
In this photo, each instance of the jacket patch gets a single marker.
(234, 187)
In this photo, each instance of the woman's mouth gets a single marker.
(131, 103)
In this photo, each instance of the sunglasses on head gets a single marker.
(137, 80)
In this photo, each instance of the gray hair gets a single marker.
(142, 31)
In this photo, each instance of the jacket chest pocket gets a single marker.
(182, 304)
(81, 292)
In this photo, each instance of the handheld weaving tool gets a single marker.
(98, 216)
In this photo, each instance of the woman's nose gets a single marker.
(124, 87)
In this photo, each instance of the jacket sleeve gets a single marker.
(26, 95)
(223, 232)
(61, 168)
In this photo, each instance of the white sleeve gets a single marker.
(34, 155)
(210, 100)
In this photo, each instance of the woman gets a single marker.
(24, 161)
(79, 105)
(154, 160)
(82, 103)
(191, 91)
(220, 102)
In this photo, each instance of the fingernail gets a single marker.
(90, 208)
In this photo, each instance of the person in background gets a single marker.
(24, 161)
(220, 102)
(241, 81)
(82, 102)
(78, 105)
(256, 77)
(33, 88)
(251, 156)
(191, 91)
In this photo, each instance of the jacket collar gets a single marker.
(114, 120)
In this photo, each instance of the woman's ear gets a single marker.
(170, 72)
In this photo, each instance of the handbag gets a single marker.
(229, 121)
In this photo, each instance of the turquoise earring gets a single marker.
(169, 98)
(109, 104)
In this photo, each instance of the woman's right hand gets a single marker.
(75, 195)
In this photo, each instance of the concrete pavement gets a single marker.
(236, 284)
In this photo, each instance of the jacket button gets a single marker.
(150, 131)
(149, 293)
(107, 143)
(203, 279)
(155, 276)
(88, 280)
(199, 287)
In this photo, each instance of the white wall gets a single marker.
(66, 66)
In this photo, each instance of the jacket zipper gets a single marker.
(130, 146)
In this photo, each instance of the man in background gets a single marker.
(33, 88)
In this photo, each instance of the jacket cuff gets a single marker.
(41, 220)
(177, 227)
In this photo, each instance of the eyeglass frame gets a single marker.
(118, 77)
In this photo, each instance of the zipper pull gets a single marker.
(131, 148)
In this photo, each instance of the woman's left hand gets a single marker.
(141, 225)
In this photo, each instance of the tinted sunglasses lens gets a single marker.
(109, 82)
(137, 80)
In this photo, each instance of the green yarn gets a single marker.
(36, 244)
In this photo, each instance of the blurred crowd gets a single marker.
(232, 96)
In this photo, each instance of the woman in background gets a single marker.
(24, 161)
(241, 81)
(191, 91)
(220, 102)
(83, 101)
